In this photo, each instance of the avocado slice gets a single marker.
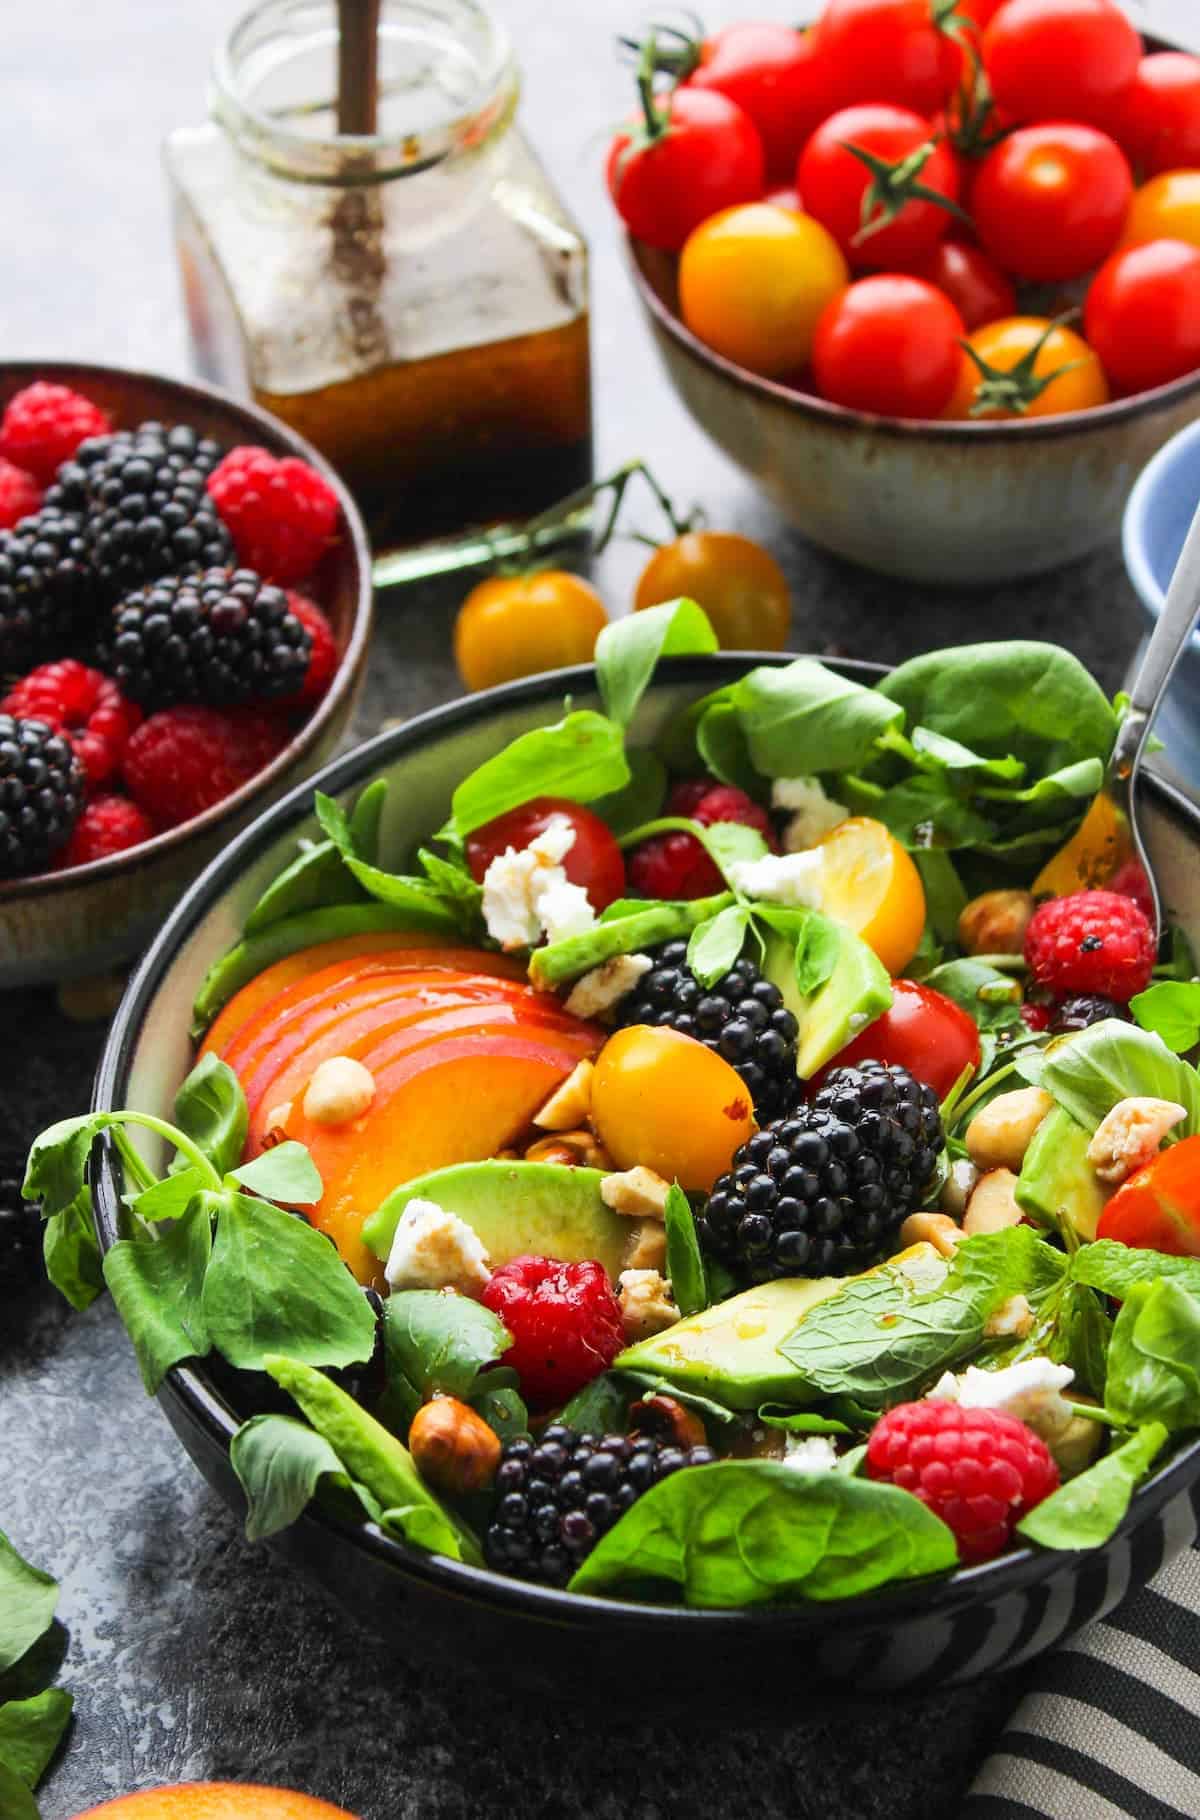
(546, 1209)
(561, 961)
(1056, 1180)
(857, 991)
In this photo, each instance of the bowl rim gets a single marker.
(902, 429)
(1134, 545)
(284, 442)
(190, 1386)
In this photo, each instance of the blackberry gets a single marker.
(742, 1017)
(20, 1230)
(821, 1192)
(1085, 1008)
(216, 638)
(146, 507)
(41, 794)
(47, 589)
(556, 1496)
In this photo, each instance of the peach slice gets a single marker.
(216, 1801)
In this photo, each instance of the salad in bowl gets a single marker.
(753, 1163)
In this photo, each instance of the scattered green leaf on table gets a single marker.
(685, 1265)
(30, 1733)
(1087, 1510)
(280, 1462)
(16, 1802)
(28, 1600)
(628, 650)
(158, 1287)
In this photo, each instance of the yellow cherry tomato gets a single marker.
(1097, 848)
(739, 584)
(665, 1100)
(1002, 345)
(871, 884)
(518, 625)
(753, 281)
(1166, 208)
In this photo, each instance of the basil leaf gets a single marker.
(581, 757)
(30, 1733)
(1172, 1011)
(715, 945)
(802, 719)
(991, 997)
(1154, 1357)
(280, 1463)
(16, 1802)
(685, 1266)
(157, 1285)
(168, 1199)
(28, 1600)
(439, 1343)
(1087, 1510)
(722, 747)
(817, 942)
(1114, 1268)
(210, 1108)
(453, 883)
(72, 1252)
(285, 1173)
(731, 843)
(274, 1285)
(628, 649)
(1112, 1061)
(751, 1532)
(642, 797)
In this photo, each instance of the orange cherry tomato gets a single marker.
(665, 1100)
(739, 584)
(1003, 345)
(1166, 208)
(519, 625)
(754, 280)
(1159, 1207)
(872, 886)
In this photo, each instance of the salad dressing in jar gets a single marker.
(413, 300)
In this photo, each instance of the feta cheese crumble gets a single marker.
(793, 879)
(810, 1453)
(647, 1306)
(1031, 1391)
(527, 894)
(607, 984)
(814, 814)
(434, 1249)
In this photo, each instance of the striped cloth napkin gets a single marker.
(1109, 1727)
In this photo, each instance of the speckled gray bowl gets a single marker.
(68, 925)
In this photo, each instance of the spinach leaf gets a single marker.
(1087, 1510)
(581, 757)
(72, 1252)
(280, 1462)
(642, 797)
(750, 1532)
(921, 811)
(28, 1601)
(274, 1284)
(157, 1284)
(991, 997)
(503, 1409)
(16, 1802)
(1054, 788)
(437, 1342)
(724, 750)
(685, 1265)
(1114, 1268)
(715, 945)
(285, 1173)
(601, 1407)
(803, 719)
(628, 649)
(933, 751)
(1154, 1357)
(1109, 1062)
(945, 895)
(210, 1108)
(30, 1733)
(1172, 1011)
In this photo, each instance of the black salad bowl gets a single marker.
(452, 1617)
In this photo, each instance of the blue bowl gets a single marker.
(1156, 520)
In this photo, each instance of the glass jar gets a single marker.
(414, 302)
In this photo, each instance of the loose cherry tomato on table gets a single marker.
(520, 625)
(889, 344)
(776, 75)
(1166, 208)
(1049, 202)
(1142, 314)
(977, 288)
(739, 584)
(705, 155)
(753, 281)
(592, 861)
(888, 50)
(1060, 59)
(876, 177)
(1159, 1206)
(1157, 120)
(1026, 366)
(923, 1031)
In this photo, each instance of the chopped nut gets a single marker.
(648, 1246)
(571, 1148)
(570, 1102)
(553, 1150)
(607, 984)
(935, 1229)
(1128, 1137)
(995, 922)
(961, 1178)
(453, 1449)
(664, 1418)
(993, 1205)
(646, 1305)
(637, 1192)
(1000, 1134)
(340, 1090)
(1014, 1317)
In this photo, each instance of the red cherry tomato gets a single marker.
(775, 75)
(1157, 120)
(888, 50)
(1159, 1207)
(1050, 201)
(1142, 314)
(979, 12)
(709, 158)
(890, 345)
(979, 290)
(593, 860)
(924, 1031)
(1060, 59)
(836, 187)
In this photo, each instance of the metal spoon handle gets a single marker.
(1167, 644)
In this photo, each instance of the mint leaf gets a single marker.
(628, 650)
(1114, 1268)
(1172, 1011)
(210, 1108)
(1087, 1510)
(285, 1173)
(715, 945)
(28, 1600)
(581, 757)
(157, 1285)
(30, 1733)
(280, 1463)
(685, 1265)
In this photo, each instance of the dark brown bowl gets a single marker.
(67, 925)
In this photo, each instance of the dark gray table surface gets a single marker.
(190, 1654)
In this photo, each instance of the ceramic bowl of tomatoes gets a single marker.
(932, 282)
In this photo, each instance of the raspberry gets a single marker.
(1130, 880)
(109, 824)
(565, 1324)
(323, 657)
(1035, 1016)
(705, 802)
(979, 1470)
(1091, 942)
(280, 514)
(182, 761)
(45, 424)
(20, 495)
(85, 705)
(676, 865)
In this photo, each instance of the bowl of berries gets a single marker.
(185, 603)
(900, 267)
(678, 1160)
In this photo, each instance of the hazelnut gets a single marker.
(553, 1150)
(935, 1229)
(1002, 1131)
(663, 1418)
(995, 922)
(993, 1205)
(452, 1447)
(340, 1091)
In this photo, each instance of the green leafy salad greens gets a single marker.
(34, 1713)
